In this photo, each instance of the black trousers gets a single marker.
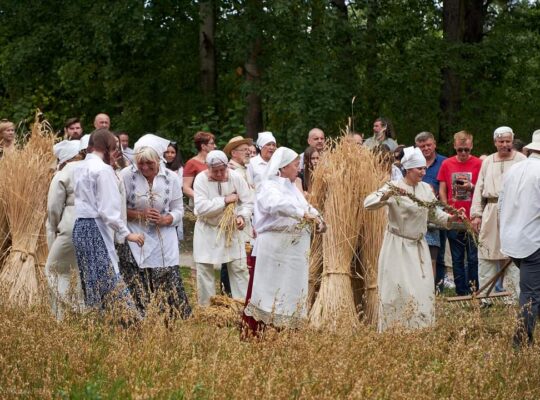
(529, 298)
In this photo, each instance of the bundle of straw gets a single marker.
(375, 174)
(222, 312)
(24, 186)
(334, 303)
(4, 227)
(227, 224)
(345, 257)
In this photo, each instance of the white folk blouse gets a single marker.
(160, 243)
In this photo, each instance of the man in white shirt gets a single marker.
(519, 203)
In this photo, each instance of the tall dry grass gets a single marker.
(26, 174)
(467, 355)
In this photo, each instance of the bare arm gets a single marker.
(188, 186)
(443, 192)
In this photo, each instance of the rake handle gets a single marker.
(490, 284)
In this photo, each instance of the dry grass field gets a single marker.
(467, 355)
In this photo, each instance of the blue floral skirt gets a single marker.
(101, 285)
(433, 238)
(145, 284)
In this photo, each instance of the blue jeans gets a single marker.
(440, 267)
(465, 277)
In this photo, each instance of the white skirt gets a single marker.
(280, 284)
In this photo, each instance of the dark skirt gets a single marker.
(146, 283)
(100, 284)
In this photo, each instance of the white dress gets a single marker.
(160, 247)
(61, 267)
(280, 284)
(208, 246)
(405, 276)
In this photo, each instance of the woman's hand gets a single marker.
(232, 198)
(240, 223)
(152, 215)
(460, 215)
(136, 237)
(476, 224)
(321, 226)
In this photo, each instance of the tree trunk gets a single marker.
(463, 22)
(371, 53)
(207, 50)
(252, 73)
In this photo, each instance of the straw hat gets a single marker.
(234, 143)
(535, 144)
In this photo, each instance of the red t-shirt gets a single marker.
(452, 171)
(193, 167)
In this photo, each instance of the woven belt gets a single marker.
(492, 200)
(418, 240)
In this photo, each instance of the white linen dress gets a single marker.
(405, 276)
(280, 284)
(61, 267)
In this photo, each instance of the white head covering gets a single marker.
(66, 150)
(216, 158)
(156, 143)
(281, 158)
(83, 143)
(535, 144)
(265, 138)
(501, 131)
(413, 158)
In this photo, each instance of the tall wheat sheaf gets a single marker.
(343, 261)
(26, 175)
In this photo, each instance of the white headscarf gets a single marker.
(83, 143)
(264, 138)
(66, 150)
(413, 158)
(216, 158)
(281, 158)
(156, 143)
(501, 131)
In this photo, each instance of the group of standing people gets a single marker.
(493, 193)
(115, 214)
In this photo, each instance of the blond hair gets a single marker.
(146, 154)
(4, 126)
(463, 136)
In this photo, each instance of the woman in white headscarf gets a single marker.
(405, 275)
(154, 209)
(280, 284)
(61, 266)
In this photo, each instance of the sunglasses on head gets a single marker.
(463, 150)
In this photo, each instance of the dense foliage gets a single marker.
(138, 60)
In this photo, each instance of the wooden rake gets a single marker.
(487, 287)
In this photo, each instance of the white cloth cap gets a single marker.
(264, 138)
(156, 143)
(216, 158)
(502, 130)
(413, 158)
(66, 150)
(281, 158)
(83, 143)
(535, 144)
